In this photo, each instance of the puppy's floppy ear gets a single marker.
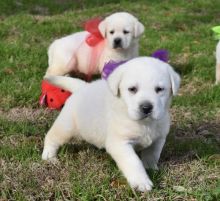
(103, 27)
(175, 80)
(114, 80)
(138, 29)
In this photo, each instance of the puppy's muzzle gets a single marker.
(117, 43)
(145, 109)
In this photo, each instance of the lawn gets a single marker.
(190, 162)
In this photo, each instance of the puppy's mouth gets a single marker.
(118, 47)
(143, 116)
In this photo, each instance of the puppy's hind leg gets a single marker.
(58, 67)
(60, 133)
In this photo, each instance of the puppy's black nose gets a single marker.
(117, 42)
(146, 107)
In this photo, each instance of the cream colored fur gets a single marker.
(109, 115)
(72, 53)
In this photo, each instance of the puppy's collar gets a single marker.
(110, 67)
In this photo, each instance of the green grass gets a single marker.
(190, 159)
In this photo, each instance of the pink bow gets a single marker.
(92, 26)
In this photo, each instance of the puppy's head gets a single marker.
(146, 86)
(120, 29)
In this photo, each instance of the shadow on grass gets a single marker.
(183, 69)
(199, 140)
(196, 140)
(80, 146)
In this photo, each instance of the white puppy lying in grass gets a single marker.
(121, 32)
(128, 112)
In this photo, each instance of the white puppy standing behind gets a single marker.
(128, 112)
(121, 32)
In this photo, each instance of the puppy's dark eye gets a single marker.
(126, 32)
(112, 32)
(133, 90)
(159, 89)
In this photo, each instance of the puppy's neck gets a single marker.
(124, 54)
(117, 55)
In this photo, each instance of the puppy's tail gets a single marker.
(67, 83)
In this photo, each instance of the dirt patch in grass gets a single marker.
(72, 177)
(194, 86)
(30, 114)
(190, 174)
(186, 124)
(16, 141)
(203, 130)
(35, 181)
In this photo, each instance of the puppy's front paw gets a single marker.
(49, 153)
(142, 185)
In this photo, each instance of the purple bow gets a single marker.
(163, 55)
(109, 67)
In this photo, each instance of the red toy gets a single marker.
(52, 96)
